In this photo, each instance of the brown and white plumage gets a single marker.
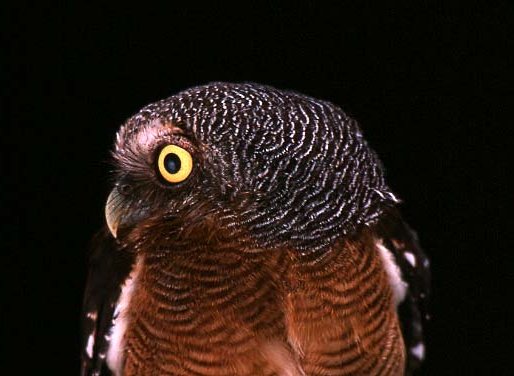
(280, 253)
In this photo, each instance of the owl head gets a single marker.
(243, 164)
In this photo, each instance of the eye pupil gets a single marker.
(172, 163)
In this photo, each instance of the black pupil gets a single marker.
(172, 163)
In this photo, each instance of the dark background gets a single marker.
(428, 83)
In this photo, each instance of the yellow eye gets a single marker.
(174, 163)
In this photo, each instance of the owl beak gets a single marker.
(115, 211)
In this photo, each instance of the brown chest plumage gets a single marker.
(234, 313)
(341, 318)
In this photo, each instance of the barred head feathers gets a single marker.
(309, 175)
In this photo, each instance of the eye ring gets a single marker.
(174, 164)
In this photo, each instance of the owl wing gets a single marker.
(109, 266)
(403, 243)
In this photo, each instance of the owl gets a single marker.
(250, 231)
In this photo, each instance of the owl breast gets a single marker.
(268, 313)
(341, 318)
(208, 314)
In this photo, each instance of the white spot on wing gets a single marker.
(89, 347)
(393, 271)
(115, 353)
(410, 258)
(418, 351)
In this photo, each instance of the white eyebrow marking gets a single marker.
(410, 258)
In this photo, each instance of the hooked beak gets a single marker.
(116, 211)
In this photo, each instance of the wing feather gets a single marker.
(109, 266)
(403, 243)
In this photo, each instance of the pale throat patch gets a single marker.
(394, 273)
(115, 353)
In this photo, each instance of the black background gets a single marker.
(428, 83)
